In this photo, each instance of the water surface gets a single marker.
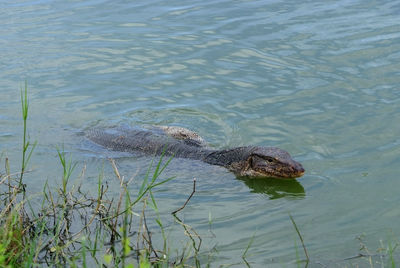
(319, 79)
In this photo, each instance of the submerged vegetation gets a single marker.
(68, 226)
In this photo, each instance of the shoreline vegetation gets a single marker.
(68, 226)
(71, 227)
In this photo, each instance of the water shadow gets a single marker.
(275, 188)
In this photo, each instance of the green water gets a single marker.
(319, 79)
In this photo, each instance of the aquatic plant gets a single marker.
(71, 226)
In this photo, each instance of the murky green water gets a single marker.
(317, 78)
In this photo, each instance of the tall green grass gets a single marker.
(26, 145)
(71, 227)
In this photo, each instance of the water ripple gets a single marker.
(317, 78)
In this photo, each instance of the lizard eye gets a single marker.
(268, 159)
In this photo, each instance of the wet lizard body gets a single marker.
(251, 161)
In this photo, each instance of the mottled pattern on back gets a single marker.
(149, 141)
(189, 137)
(251, 161)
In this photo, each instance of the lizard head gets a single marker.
(267, 162)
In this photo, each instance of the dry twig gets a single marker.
(187, 201)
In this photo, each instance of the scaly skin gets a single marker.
(249, 161)
(257, 162)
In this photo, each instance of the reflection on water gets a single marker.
(275, 188)
(316, 78)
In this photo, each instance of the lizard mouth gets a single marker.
(286, 172)
(275, 166)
